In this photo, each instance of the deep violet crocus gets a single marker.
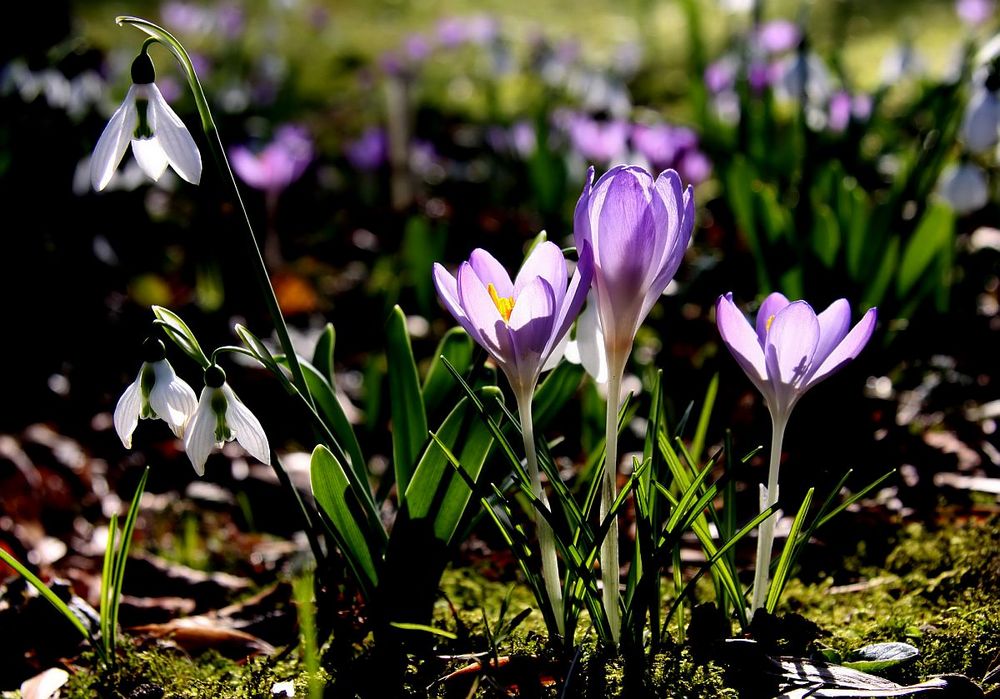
(790, 350)
(638, 228)
(522, 324)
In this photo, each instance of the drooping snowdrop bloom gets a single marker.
(156, 393)
(523, 324)
(788, 351)
(903, 62)
(980, 130)
(221, 417)
(158, 136)
(965, 187)
(639, 229)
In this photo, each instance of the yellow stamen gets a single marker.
(504, 304)
(770, 320)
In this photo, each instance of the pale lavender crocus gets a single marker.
(638, 228)
(790, 350)
(974, 12)
(523, 324)
(280, 163)
(777, 36)
(598, 141)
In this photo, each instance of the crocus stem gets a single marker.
(609, 491)
(765, 535)
(546, 537)
(219, 152)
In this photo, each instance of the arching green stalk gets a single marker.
(166, 39)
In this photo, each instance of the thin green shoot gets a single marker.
(788, 555)
(303, 589)
(51, 598)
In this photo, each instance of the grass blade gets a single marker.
(788, 555)
(409, 418)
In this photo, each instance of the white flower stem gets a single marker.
(609, 491)
(765, 534)
(546, 537)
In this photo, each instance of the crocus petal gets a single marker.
(491, 272)
(150, 156)
(772, 304)
(590, 342)
(627, 243)
(834, 323)
(669, 214)
(171, 398)
(531, 322)
(113, 142)
(246, 428)
(791, 345)
(581, 215)
(127, 413)
(740, 338)
(199, 436)
(483, 313)
(575, 295)
(674, 250)
(556, 354)
(546, 261)
(175, 140)
(447, 289)
(849, 347)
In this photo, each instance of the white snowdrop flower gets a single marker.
(801, 74)
(158, 136)
(964, 187)
(901, 63)
(156, 393)
(980, 129)
(221, 417)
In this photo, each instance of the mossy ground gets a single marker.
(936, 590)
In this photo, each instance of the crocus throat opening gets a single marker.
(504, 304)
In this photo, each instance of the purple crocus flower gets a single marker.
(720, 75)
(639, 229)
(974, 12)
(657, 143)
(369, 152)
(839, 116)
(778, 36)
(417, 47)
(598, 141)
(790, 350)
(522, 324)
(694, 166)
(279, 164)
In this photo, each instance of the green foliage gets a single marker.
(409, 418)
